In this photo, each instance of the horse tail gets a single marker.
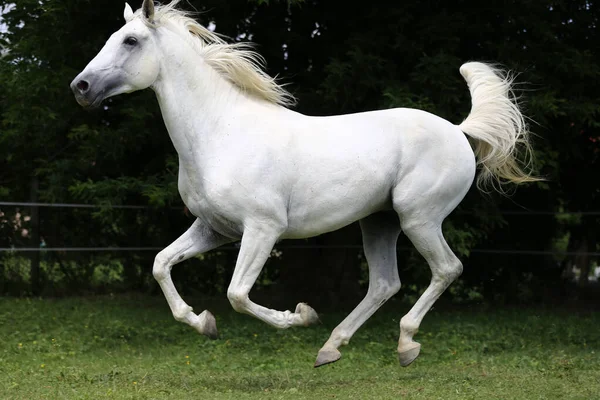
(497, 129)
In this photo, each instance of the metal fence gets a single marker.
(282, 247)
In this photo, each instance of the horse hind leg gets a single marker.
(380, 234)
(423, 199)
(445, 268)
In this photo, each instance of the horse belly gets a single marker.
(319, 211)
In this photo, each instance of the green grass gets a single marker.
(130, 347)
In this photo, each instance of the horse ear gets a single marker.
(148, 10)
(128, 13)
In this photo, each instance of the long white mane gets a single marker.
(236, 62)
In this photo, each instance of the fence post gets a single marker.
(35, 237)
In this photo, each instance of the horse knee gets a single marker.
(452, 270)
(448, 272)
(160, 269)
(238, 300)
(458, 269)
(385, 290)
(393, 288)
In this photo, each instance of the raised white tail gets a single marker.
(497, 128)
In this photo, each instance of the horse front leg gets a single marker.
(199, 238)
(256, 246)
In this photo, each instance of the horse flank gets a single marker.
(236, 62)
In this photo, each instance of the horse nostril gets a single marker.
(83, 86)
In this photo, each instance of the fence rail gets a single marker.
(72, 205)
(290, 247)
(282, 247)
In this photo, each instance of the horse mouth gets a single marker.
(90, 102)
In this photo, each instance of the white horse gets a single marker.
(252, 169)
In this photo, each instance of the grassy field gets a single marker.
(129, 347)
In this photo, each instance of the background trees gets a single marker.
(337, 57)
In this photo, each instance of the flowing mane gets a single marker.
(236, 62)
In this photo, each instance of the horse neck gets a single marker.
(194, 100)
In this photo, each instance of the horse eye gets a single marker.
(130, 41)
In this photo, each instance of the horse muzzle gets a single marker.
(89, 92)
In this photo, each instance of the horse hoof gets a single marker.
(308, 315)
(210, 325)
(408, 353)
(327, 356)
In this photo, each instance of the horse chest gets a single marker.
(207, 200)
